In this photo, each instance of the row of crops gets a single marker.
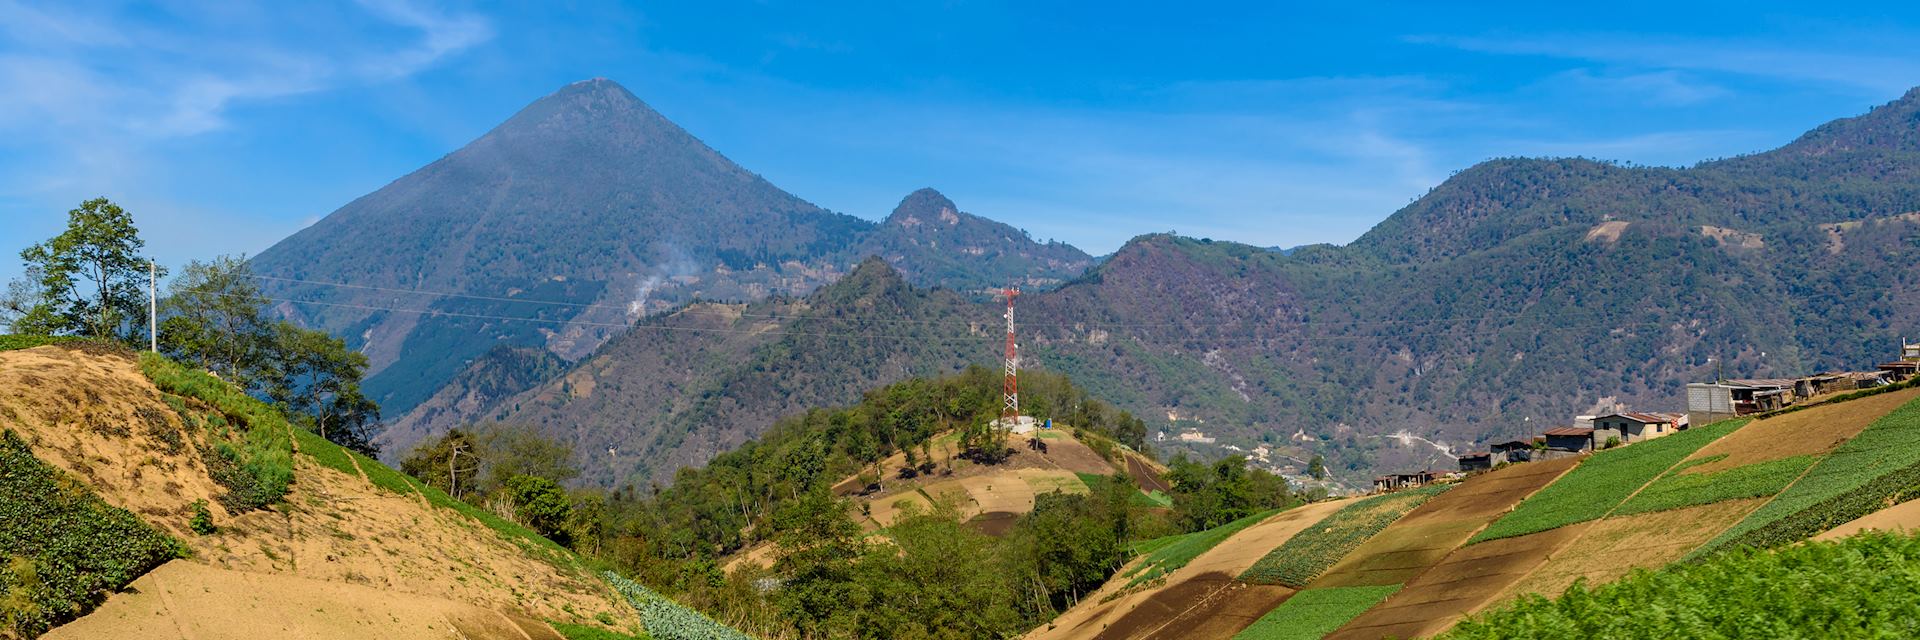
(1311, 552)
(1169, 554)
(1877, 468)
(1602, 482)
(665, 619)
(1314, 613)
(1678, 490)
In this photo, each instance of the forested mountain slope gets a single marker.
(1516, 294)
(584, 211)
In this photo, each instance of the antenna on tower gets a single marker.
(1010, 411)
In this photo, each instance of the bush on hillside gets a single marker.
(61, 547)
(256, 464)
(11, 342)
(1860, 587)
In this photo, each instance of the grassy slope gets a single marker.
(1313, 613)
(1169, 554)
(1602, 482)
(1311, 552)
(1881, 466)
(1866, 588)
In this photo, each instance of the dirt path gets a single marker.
(186, 600)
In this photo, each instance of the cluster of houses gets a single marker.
(1707, 402)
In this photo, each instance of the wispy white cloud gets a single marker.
(1663, 88)
(1835, 64)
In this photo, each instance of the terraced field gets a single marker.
(1305, 556)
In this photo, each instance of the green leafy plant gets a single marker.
(1314, 613)
(1602, 482)
(584, 632)
(665, 619)
(1859, 587)
(202, 520)
(1311, 552)
(63, 548)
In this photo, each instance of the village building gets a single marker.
(1398, 481)
(1196, 436)
(1902, 370)
(1569, 439)
(1716, 401)
(1511, 451)
(1634, 427)
(1476, 462)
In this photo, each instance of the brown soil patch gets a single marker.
(1903, 517)
(994, 523)
(1147, 609)
(1226, 610)
(1812, 431)
(1607, 232)
(1423, 537)
(187, 600)
(94, 415)
(1616, 546)
(1145, 476)
(1465, 581)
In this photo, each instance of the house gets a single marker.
(1511, 451)
(1902, 370)
(1574, 439)
(1715, 401)
(1476, 462)
(1868, 379)
(1635, 427)
(1824, 383)
(1398, 481)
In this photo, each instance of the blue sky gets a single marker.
(226, 126)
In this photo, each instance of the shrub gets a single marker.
(1860, 587)
(63, 548)
(202, 520)
(1676, 490)
(1875, 469)
(1314, 613)
(584, 632)
(1602, 482)
(11, 342)
(1311, 552)
(665, 619)
(257, 465)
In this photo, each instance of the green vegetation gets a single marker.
(326, 453)
(1312, 551)
(381, 475)
(11, 342)
(668, 620)
(1878, 468)
(62, 547)
(1180, 550)
(584, 632)
(255, 465)
(1314, 613)
(90, 280)
(1602, 482)
(1860, 587)
(1676, 490)
(202, 520)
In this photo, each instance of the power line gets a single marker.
(932, 340)
(778, 316)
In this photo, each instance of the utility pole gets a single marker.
(1010, 411)
(153, 306)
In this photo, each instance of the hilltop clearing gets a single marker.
(356, 545)
(1497, 541)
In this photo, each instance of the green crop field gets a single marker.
(1877, 468)
(1676, 490)
(1172, 554)
(1311, 552)
(62, 549)
(1314, 613)
(1860, 587)
(1602, 482)
(669, 620)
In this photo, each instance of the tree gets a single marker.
(25, 308)
(819, 542)
(102, 248)
(315, 375)
(450, 463)
(541, 505)
(1317, 467)
(214, 321)
(510, 449)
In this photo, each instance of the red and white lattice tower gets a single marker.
(1010, 411)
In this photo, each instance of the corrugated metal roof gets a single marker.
(1568, 431)
(1762, 382)
(1646, 418)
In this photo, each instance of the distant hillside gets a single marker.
(1515, 295)
(586, 210)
